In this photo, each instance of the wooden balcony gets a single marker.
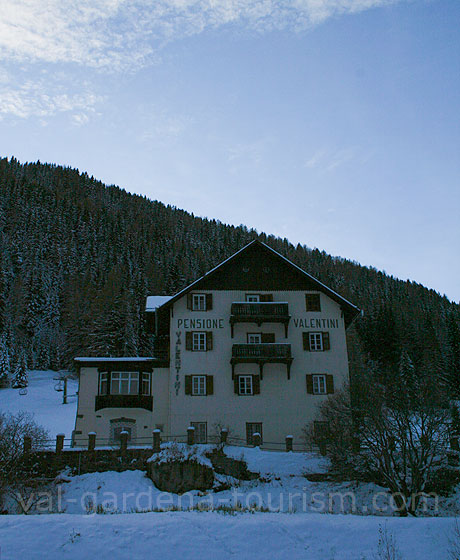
(260, 312)
(124, 401)
(261, 354)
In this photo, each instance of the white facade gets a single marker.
(290, 361)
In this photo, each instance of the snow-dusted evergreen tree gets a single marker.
(20, 379)
(4, 365)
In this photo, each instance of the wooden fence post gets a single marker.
(156, 440)
(59, 443)
(27, 444)
(289, 440)
(256, 439)
(124, 442)
(223, 435)
(91, 441)
(190, 435)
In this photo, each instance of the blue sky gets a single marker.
(334, 123)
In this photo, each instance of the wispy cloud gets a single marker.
(329, 160)
(120, 34)
(42, 98)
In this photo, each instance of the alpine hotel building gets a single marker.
(254, 345)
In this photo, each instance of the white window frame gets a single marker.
(252, 298)
(319, 384)
(245, 385)
(198, 302)
(199, 385)
(257, 338)
(119, 377)
(103, 377)
(200, 426)
(147, 379)
(199, 341)
(316, 341)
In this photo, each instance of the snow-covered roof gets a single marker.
(126, 359)
(156, 301)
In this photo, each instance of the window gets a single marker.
(251, 429)
(145, 389)
(199, 385)
(253, 298)
(316, 341)
(201, 431)
(124, 383)
(319, 384)
(312, 302)
(199, 342)
(245, 384)
(254, 338)
(103, 383)
(198, 302)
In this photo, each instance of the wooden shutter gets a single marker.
(326, 341)
(208, 302)
(189, 301)
(209, 384)
(329, 384)
(236, 385)
(309, 384)
(306, 341)
(268, 338)
(208, 341)
(188, 384)
(264, 298)
(256, 385)
(188, 341)
(312, 302)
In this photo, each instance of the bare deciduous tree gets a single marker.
(396, 436)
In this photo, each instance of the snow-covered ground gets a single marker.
(128, 524)
(169, 536)
(44, 402)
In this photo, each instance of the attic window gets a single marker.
(312, 302)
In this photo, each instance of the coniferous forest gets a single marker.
(78, 259)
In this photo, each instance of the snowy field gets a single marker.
(44, 403)
(175, 535)
(128, 525)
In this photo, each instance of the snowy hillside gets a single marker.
(44, 402)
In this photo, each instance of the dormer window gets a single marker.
(252, 298)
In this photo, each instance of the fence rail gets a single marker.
(93, 443)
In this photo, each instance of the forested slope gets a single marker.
(78, 259)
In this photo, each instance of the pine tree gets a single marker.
(20, 379)
(4, 365)
(453, 357)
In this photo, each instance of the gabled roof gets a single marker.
(259, 275)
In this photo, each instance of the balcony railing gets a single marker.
(124, 401)
(261, 354)
(260, 312)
